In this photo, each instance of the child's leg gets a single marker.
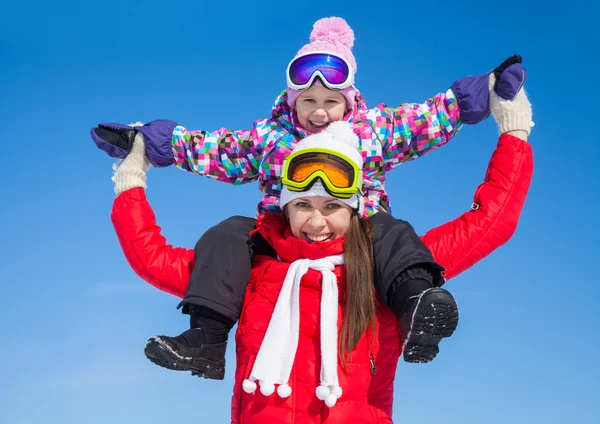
(222, 268)
(408, 280)
(213, 299)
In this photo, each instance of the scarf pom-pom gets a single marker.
(323, 392)
(329, 394)
(249, 386)
(331, 400)
(337, 391)
(267, 389)
(284, 391)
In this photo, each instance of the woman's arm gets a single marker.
(166, 267)
(498, 201)
(497, 204)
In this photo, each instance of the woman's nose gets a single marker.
(317, 220)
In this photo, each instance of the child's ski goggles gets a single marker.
(335, 72)
(340, 175)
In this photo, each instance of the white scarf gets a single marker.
(273, 364)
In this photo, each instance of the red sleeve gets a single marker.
(166, 267)
(459, 244)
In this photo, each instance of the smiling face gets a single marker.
(318, 106)
(318, 218)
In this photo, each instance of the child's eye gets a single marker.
(309, 100)
(335, 102)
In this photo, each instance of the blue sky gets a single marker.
(74, 317)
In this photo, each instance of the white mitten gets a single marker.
(131, 171)
(511, 115)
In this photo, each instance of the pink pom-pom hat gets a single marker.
(332, 35)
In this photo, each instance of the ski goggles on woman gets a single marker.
(335, 72)
(340, 175)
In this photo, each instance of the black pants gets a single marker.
(224, 256)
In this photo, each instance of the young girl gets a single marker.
(287, 360)
(320, 91)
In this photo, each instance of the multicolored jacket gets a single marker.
(389, 137)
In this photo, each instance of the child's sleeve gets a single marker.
(229, 156)
(461, 243)
(416, 129)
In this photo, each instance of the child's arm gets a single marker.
(166, 267)
(416, 129)
(223, 155)
(497, 205)
(229, 156)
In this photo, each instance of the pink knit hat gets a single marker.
(330, 35)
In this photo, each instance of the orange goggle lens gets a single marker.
(337, 170)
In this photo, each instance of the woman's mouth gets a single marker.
(317, 238)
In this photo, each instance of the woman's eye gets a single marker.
(333, 206)
(302, 205)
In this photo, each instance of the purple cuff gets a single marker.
(473, 96)
(158, 135)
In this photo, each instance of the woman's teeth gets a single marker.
(314, 237)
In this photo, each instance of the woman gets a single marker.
(360, 388)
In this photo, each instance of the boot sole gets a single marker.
(165, 357)
(435, 318)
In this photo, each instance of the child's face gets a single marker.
(318, 218)
(318, 106)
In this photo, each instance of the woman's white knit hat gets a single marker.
(340, 137)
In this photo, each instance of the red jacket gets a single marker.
(367, 383)
(456, 245)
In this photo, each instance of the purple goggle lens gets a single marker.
(334, 69)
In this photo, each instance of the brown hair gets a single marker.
(360, 302)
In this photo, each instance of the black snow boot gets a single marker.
(424, 321)
(201, 349)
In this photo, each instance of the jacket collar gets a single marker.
(274, 229)
(287, 118)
